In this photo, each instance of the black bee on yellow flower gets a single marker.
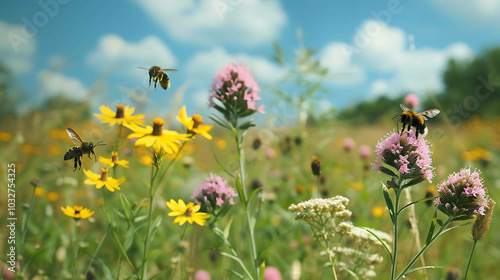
(158, 74)
(417, 120)
(77, 152)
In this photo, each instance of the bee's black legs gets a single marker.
(404, 126)
(149, 81)
(76, 164)
(80, 164)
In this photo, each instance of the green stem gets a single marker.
(434, 237)
(114, 230)
(470, 259)
(171, 163)
(317, 188)
(241, 156)
(75, 234)
(395, 232)
(25, 225)
(154, 172)
(98, 249)
(220, 234)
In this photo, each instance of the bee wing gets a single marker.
(403, 107)
(170, 70)
(428, 114)
(143, 68)
(74, 136)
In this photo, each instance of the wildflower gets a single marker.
(31, 149)
(103, 180)
(220, 143)
(431, 192)
(114, 160)
(78, 212)
(411, 100)
(462, 195)
(483, 222)
(187, 213)
(272, 273)
(194, 124)
(349, 144)
(35, 182)
(237, 90)
(123, 116)
(270, 153)
(313, 209)
(378, 211)
(5, 136)
(158, 137)
(257, 142)
(202, 275)
(365, 152)
(52, 196)
(215, 195)
(408, 155)
(316, 166)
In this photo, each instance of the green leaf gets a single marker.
(105, 270)
(280, 57)
(423, 267)
(222, 166)
(220, 122)
(388, 201)
(246, 125)
(227, 229)
(431, 229)
(381, 242)
(415, 202)
(389, 170)
(129, 239)
(241, 193)
(252, 194)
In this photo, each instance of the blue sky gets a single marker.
(91, 50)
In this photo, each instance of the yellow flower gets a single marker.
(52, 196)
(187, 213)
(378, 211)
(123, 116)
(114, 160)
(5, 136)
(220, 143)
(31, 149)
(103, 180)
(158, 137)
(78, 212)
(193, 124)
(39, 191)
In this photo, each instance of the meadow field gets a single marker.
(277, 168)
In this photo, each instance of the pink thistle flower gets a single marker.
(407, 154)
(411, 100)
(215, 195)
(272, 273)
(462, 195)
(202, 275)
(365, 152)
(349, 144)
(235, 87)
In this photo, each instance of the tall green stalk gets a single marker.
(25, 226)
(397, 191)
(241, 156)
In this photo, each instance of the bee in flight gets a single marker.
(78, 152)
(417, 120)
(158, 75)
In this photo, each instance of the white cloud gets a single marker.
(234, 22)
(54, 84)
(203, 66)
(478, 12)
(384, 50)
(16, 50)
(338, 62)
(114, 51)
